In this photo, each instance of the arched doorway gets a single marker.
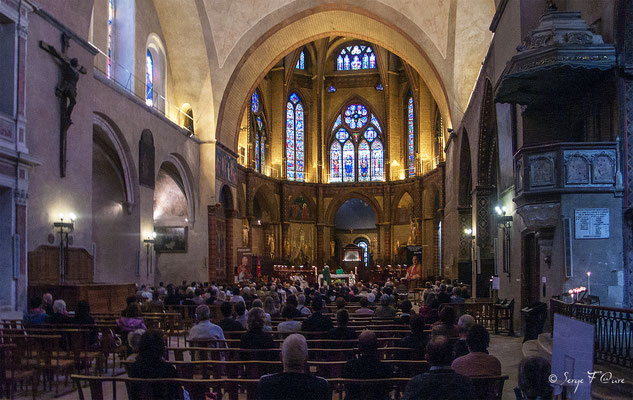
(355, 223)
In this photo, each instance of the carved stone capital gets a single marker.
(537, 217)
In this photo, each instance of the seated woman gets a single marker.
(83, 317)
(150, 364)
(36, 313)
(446, 325)
(132, 320)
(342, 332)
(417, 340)
(289, 325)
(256, 338)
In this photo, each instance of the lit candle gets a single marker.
(588, 282)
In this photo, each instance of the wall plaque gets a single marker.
(592, 223)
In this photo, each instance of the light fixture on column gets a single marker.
(149, 244)
(470, 234)
(64, 228)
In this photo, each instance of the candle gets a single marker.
(588, 282)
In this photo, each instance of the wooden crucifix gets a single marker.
(66, 90)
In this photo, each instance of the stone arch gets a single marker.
(258, 51)
(398, 200)
(265, 196)
(186, 177)
(431, 202)
(111, 132)
(226, 198)
(330, 214)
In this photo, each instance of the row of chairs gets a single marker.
(485, 387)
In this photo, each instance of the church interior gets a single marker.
(441, 160)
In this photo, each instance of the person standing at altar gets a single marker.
(326, 275)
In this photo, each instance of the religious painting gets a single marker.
(300, 209)
(146, 159)
(171, 239)
(225, 166)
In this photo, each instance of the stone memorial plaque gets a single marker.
(592, 223)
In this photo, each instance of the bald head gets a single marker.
(294, 353)
(367, 342)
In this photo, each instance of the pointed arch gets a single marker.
(334, 205)
(465, 178)
(295, 144)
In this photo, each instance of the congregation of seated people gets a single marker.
(455, 350)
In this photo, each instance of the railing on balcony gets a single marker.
(568, 167)
(137, 87)
(613, 329)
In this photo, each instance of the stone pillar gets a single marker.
(230, 216)
(319, 254)
(213, 227)
(626, 9)
(20, 229)
(481, 199)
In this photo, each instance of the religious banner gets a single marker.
(146, 159)
(225, 166)
(244, 270)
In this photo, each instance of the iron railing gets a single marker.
(613, 329)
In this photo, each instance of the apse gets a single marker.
(355, 214)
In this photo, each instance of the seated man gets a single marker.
(342, 332)
(463, 325)
(292, 300)
(364, 310)
(317, 322)
(36, 313)
(441, 382)
(446, 325)
(205, 329)
(241, 315)
(478, 362)
(228, 324)
(289, 325)
(405, 315)
(293, 382)
(367, 366)
(417, 340)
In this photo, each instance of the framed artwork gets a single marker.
(300, 209)
(171, 239)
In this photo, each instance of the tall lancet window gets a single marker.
(301, 62)
(109, 39)
(410, 135)
(259, 132)
(149, 79)
(356, 146)
(295, 139)
(356, 57)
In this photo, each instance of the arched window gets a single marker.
(259, 130)
(439, 135)
(410, 135)
(301, 62)
(295, 143)
(363, 244)
(356, 57)
(356, 146)
(149, 79)
(109, 41)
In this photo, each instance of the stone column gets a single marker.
(230, 216)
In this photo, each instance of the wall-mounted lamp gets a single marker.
(469, 233)
(64, 228)
(149, 243)
(502, 218)
(505, 222)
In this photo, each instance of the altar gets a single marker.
(348, 278)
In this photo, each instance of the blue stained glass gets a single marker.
(260, 123)
(365, 61)
(355, 50)
(342, 135)
(348, 162)
(380, 87)
(335, 162)
(294, 98)
(301, 61)
(290, 140)
(339, 63)
(374, 121)
(149, 79)
(363, 245)
(356, 64)
(372, 60)
(346, 63)
(299, 143)
(356, 116)
(411, 136)
(255, 102)
(331, 89)
(364, 157)
(370, 134)
(257, 164)
(262, 149)
(377, 161)
(337, 123)
(355, 58)
(109, 40)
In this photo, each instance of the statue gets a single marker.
(66, 90)
(245, 230)
(413, 235)
(332, 248)
(271, 245)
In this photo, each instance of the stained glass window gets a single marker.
(356, 57)
(149, 79)
(336, 162)
(331, 89)
(295, 145)
(259, 136)
(439, 135)
(349, 172)
(363, 245)
(356, 146)
(356, 116)
(109, 40)
(364, 159)
(379, 87)
(301, 62)
(377, 161)
(411, 136)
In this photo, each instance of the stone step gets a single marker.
(545, 343)
(531, 348)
